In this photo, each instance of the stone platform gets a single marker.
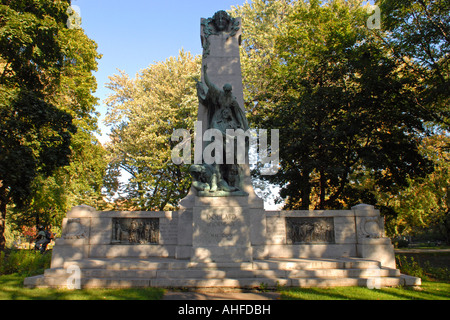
(223, 243)
(265, 274)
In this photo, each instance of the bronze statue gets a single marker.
(224, 113)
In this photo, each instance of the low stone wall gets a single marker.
(223, 229)
(358, 232)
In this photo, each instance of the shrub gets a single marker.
(24, 262)
(439, 273)
(401, 243)
(410, 267)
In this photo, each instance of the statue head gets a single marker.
(227, 88)
(221, 20)
(226, 114)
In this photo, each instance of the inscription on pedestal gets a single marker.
(168, 230)
(220, 226)
(276, 229)
(221, 234)
(135, 231)
(309, 230)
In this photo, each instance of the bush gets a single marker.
(426, 271)
(24, 262)
(439, 273)
(410, 267)
(401, 243)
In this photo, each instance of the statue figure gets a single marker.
(221, 112)
(224, 113)
(118, 231)
(133, 232)
(221, 22)
(206, 177)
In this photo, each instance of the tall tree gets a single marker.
(423, 206)
(341, 105)
(46, 90)
(262, 22)
(417, 34)
(143, 113)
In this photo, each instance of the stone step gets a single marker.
(153, 264)
(314, 264)
(272, 264)
(270, 273)
(249, 283)
(228, 273)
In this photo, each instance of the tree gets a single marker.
(35, 139)
(262, 21)
(46, 90)
(79, 182)
(143, 113)
(425, 204)
(342, 106)
(417, 34)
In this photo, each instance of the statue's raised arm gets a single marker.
(209, 84)
(207, 92)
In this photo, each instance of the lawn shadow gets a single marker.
(12, 289)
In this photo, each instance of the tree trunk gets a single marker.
(3, 202)
(2, 232)
(323, 188)
(305, 192)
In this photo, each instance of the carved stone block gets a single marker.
(74, 229)
(309, 230)
(135, 231)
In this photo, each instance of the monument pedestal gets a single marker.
(221, 230)
(228, 242)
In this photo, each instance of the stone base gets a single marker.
(221, 230)
(267, 274)
(224, 242)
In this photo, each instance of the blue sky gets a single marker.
(133, 34)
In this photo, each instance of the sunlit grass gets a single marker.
(428, 291)
(11, 288)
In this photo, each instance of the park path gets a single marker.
(420, 250)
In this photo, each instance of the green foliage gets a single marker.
(143, 113)
(35, 139)
(424, 205)
(24, 262)
(30, 53)
(47, 113)
(79, 182)
(343, 107)
(410, 267)
(419, 38)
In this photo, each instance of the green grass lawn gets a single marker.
(11, 288)
(428, 291)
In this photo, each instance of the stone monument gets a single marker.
(222, 196)
(221, 236)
